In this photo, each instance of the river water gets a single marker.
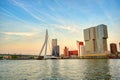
(66, 69)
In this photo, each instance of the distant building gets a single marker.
(70, 53)
(80, 48)
(113, 48)
(54, 42)
(8, 57)
(101, 38)
(96, 39)
(57, 51)
(55, 48)
(73, 53)
(66, 53)
(89, 37)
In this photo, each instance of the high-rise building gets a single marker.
(54, 42)
(89, 37)
(113, 48)
(55, 48)
(101, 38)
(96, 39)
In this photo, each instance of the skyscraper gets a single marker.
(96, 39)
(90, 38)
(101, 38)
(55, 48)
(54, 42)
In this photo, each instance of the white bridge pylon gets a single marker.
(44, 44)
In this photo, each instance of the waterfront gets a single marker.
(69, 69)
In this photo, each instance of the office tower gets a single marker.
(113, 48)
(96, 39)
(101, 38)
(54, 42)
(55, 48)
(90, 40)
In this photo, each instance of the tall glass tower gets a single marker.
(55, 48)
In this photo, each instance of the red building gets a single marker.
(113, 48)
(70, 53)
(66, 52)
(73, 53)
(81, 43)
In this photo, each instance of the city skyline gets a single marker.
(23, 23)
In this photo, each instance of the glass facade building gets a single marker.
(55, 48)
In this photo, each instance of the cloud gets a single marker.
(19, 33)
(8, 37)
(50, 13)
(10, 14)
(28, 9)
(36, 12)
(71, 28)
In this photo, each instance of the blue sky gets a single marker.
(23, 22)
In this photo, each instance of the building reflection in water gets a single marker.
(60, 69)
(96, 69)
(79, 69)
(54, 71)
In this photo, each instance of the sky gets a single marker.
(23, 23)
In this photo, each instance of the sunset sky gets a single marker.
(23, 22)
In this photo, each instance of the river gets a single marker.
(65, 69)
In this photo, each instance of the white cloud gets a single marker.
(19, 36)
(71, 28)
(28, 9)
(20, 33)
(8, 13)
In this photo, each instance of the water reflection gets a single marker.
(72, 69)
(96, 69)
(114, 67)
(54, 65)
(78, 69)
